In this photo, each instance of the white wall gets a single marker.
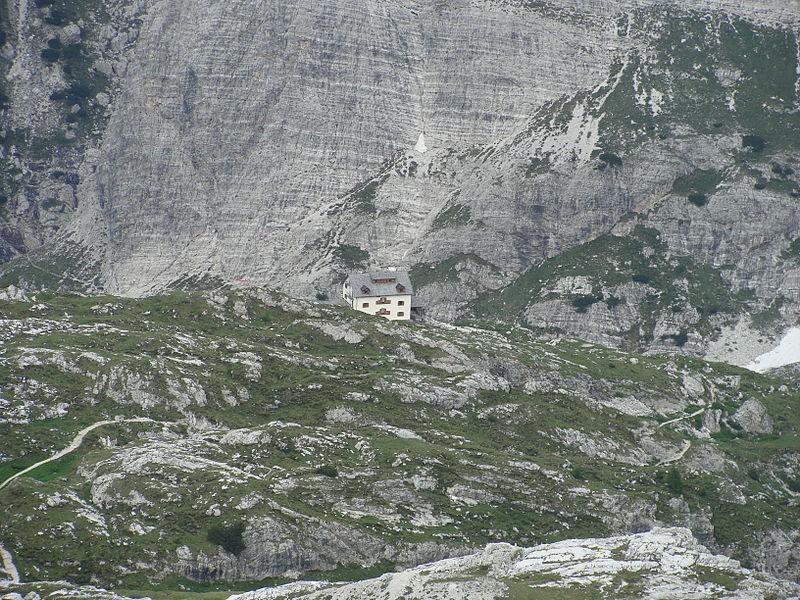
(392, 306)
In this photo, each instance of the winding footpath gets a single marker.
(73, 445)
(7, 562)
(671, 421)
(686, 445)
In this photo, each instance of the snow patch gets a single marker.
(420, 145)
(785, 353)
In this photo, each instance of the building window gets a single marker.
(383, 301)
(401, 303)
(401, 314)
(383, 313)
(365, 305)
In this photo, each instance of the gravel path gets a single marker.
(675, 420)
(74, 444)
(8, 565)
(686, 445)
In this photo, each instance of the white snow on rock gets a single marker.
(420, 145)
(785, 353)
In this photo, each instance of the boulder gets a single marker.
(753, 417)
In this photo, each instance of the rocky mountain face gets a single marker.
(662, 563)
(63, 65)
(156, 145)
(224, 438)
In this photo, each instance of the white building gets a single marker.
(384, 293)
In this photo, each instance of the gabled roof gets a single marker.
(380, 283)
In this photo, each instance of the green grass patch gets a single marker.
(57, 468)
(718, 577)
(351, 256)
(351, 572)
(520, 590)
(362, 197)
(423, 274)
(607, 263)
(176, 594)
(11, 468)
(452, 216)
(703, 181)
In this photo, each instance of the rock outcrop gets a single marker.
(662, 563)
(753, 417)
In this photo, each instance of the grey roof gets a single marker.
(367, 280)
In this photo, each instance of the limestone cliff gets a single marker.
(283, 143)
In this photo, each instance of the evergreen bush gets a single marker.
(698, 199)
(228, 536)
(674, 482)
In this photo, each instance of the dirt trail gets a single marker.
(6, 559)
(683, 417)
(686, 445)
(73, 445)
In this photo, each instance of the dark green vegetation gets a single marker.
(700, 181)
(674, 482)
(362, 197)
(454, 215)
(610, 159)
(271, 434)
(691, 55)
(446, 271)
(352, 257)
(228, 536)
(65, 269)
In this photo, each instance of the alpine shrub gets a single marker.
(228, 536)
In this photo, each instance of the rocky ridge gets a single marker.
(661, 563)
